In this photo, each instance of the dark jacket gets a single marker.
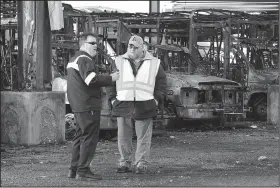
(138, 109)
(84, 96)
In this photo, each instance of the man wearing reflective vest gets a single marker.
(138, 91)
(84, 94)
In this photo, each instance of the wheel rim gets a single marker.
(261, 110)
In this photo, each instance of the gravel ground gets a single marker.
(180, 157)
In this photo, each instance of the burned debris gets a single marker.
(218, 62)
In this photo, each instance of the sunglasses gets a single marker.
(92, 43)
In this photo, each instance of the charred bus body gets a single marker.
(240, 42)
(198, 96)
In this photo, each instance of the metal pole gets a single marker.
(10, 44)
(20, 44)
(226, 34)
(40, 21)
(154, 6)
(192, 43)
(43, 45)
(279, 80)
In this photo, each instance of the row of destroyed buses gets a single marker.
(218, 63)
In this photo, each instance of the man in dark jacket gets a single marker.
(135, 98)
(84, 94)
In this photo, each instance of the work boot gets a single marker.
(123, 169)
(88, 175)
(71, 173)
(141, 169)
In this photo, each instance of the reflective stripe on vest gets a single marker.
(74, 64)
(144, 80)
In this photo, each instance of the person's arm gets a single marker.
(111, 90)
(90, 76)
(160, 85)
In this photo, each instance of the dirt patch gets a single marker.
(178, 158)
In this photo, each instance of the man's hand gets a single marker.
(115, 76)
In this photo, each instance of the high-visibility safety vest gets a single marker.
(141, 87)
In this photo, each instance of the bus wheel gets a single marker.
(260, 111)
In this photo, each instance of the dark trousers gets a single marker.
(85, 140)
